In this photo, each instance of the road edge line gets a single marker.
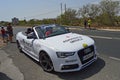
(114, 58)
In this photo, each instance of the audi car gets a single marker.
(56, 48)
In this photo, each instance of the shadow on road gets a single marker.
(85, 73)
(4, 76)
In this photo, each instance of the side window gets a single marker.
(39, 32)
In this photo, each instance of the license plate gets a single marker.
(88, 56)
(87, 50)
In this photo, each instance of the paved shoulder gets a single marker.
(7, 69)
(1, 43)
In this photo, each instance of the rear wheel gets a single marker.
(46, 62)
(19, 47)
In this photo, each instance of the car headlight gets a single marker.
(64, 54)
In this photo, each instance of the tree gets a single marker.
(89, 10)
(49, 21)
(22, 22)
(111, 9)
(69, 16)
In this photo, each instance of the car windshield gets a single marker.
(51, 30)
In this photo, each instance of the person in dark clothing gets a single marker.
(29, 30)
(85, 23)
(4, 35)
(10, 32)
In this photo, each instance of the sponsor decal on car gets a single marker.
(74, 39)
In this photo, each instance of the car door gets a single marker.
(30, 44)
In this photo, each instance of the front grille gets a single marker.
(68, 67)
(86, 54)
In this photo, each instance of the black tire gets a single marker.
(19, 47)
(46, 62)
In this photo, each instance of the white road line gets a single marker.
(103, 37)
(114, 58)
(100, 37)
(117, 38)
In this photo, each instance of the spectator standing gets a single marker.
(4, 35)
(85, 23)
(10, 32)
(89, 23)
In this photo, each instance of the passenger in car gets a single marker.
(48, 31)
(29, 30)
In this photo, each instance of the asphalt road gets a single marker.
(105, 68)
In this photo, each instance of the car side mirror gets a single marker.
(68, 29)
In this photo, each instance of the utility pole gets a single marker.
(61, 8)
(65, 8)
(65, 13)
(61, 14)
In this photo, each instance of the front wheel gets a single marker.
(45, 62)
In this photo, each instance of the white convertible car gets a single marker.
(56, 48)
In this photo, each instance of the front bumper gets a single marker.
(74, 63)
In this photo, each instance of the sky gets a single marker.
(37, 9)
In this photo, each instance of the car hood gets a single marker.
(68, 42)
